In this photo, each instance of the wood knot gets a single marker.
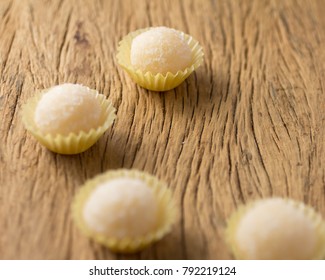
(246, 157)
(80, 36)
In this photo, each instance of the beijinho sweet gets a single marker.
(277, 229)
(121, 208)
(160, 50)
(67, 108)
(124, 210)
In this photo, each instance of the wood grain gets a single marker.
(248, 124)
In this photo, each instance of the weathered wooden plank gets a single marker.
(248, 124)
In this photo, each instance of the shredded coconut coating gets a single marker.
(67, 108)
(121, 208)
(160, 50)
(275, 229)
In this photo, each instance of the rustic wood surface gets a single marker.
(248, 124)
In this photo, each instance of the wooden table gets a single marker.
(248, 124)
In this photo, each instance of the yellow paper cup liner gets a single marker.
(233, 222)
(73, 143)
(166, 211)
(157, 82)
